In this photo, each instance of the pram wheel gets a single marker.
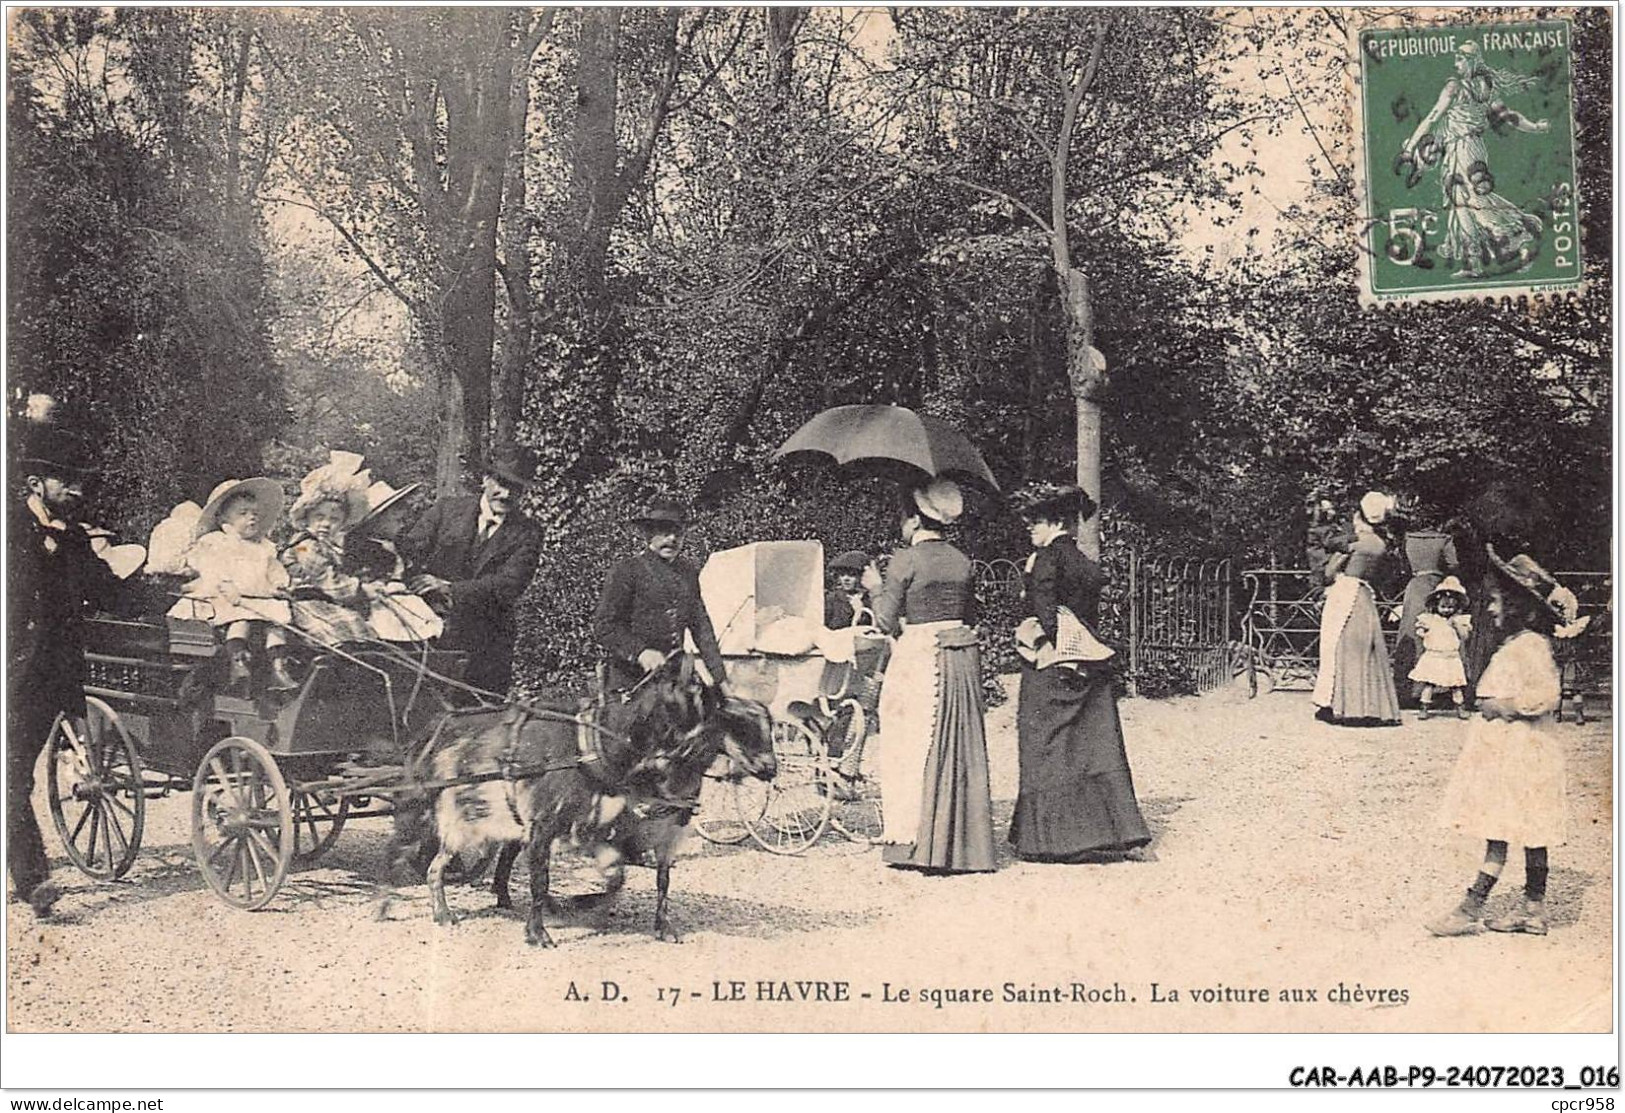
(794, 807)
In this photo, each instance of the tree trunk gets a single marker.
(448, 462)
(1086, 372)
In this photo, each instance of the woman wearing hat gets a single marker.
(933, 747)
(1077, 794)
(1355, 683)
(1508, 784)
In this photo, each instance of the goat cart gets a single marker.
(274, 777)
(822, 686)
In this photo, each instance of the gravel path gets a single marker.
(1289, 855)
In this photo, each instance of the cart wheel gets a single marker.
(794, 806)
(95, 790)
(318, 817)
(242, 823)
(723, 805)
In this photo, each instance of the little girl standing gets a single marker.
(1508, 784)
(1442, 629)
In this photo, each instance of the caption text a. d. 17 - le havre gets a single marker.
(729, 991)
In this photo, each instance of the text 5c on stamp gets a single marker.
(1467, 165)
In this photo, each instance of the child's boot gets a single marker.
(1464, 919)
(1529, 919)
(1461, 706)
(281, 679)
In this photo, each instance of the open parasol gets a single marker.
(890, 441)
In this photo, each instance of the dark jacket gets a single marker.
(927, 582)
(486, 581)
(53, 580)
(838, 612)
(649, 603)
(1063, 576)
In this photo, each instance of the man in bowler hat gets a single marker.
(473, 556)
(651, 600)
(53, 579)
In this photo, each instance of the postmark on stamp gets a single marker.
(1467, 168)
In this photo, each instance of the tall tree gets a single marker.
(406, 139)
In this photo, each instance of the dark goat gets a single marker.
(673, 731)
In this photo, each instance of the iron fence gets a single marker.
(1280, 642)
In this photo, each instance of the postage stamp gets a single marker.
(1467, 168)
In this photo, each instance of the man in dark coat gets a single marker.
(650, 601)
(52, 578)
(473, 556)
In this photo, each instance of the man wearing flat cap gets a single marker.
(472, 557)
(651, 600)
(53, 579)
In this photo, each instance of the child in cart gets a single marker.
(371, 553)
(236, 574)
(329, 604)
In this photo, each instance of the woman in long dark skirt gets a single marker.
(1076, 799)
(933, 742)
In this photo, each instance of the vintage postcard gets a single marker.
(1467, 162)
(599, 521)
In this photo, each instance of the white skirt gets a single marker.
(1509, 784)
(908, 726)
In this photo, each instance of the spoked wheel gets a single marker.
(724, 806)
(97, 797)
(855, 801)
(242, 823)
(318, 817)
(794, 805)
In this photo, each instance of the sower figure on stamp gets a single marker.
(473, 556)
(53, 578)
(1484, 231)
(649, 601)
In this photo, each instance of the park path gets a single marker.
(1289, 856)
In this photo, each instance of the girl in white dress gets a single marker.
(1508, 783)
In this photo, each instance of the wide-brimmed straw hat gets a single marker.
(381, 497)
(1524, 572)
(1448, 586)
(941, 500)
(661, 511)
(1052, 502)
(267, 496)
(340, 480)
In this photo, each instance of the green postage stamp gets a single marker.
(1466, 139)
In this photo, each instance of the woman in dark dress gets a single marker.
(1076, 799)
(933, 742)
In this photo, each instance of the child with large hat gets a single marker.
(238, 580)
(1508, 784)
